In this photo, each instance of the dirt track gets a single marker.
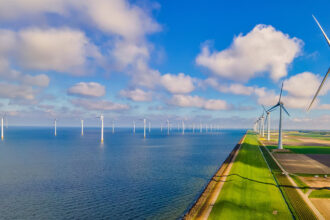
(323, 206)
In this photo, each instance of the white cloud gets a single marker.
(87, 89)
(304, 85)
(235, 88)
(178, 83)
(137, 95)
(63, 50)
(261, 50)
(14, 91)
(100, 105)
(198, 102)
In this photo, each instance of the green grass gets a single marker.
(323, 193)
(305, 149)
(250, 192)
(300, 183)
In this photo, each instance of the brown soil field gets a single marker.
(323, 205)
(318, 182)
(322, 158)
(300, 163)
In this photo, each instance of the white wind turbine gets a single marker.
(281, 106)
(200, 128)
(2, 128)
(262, 120)
(193, 128)
(168, 127)
(55, 127)
(133, 127)
(182, 127)
(113, 126)
(82, 127)
(326, 75)
(144, 127)
(101, 117)
(161, 127)
(149, 126)
(268, 122)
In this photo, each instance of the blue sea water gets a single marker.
(127, 177)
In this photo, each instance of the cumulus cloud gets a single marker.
(87, 89)
(198, 102)
(264, 49)
(180, 83)
(99, 105)
(14, 91)
(137, 95)
(235, 88)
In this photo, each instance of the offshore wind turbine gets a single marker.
(326, 75)
(82, 127)
(144, 127)
(55, 127)
(168, 126)
(2, 128)
(133, 127)
(102, 119)
(182, 127)
(193, 128)
(281, 106)
(113, 126)
(149, 126)
(161, 127)
(200, 128)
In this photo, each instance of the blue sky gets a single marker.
(215, 61)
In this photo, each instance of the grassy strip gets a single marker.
(323, 193)
(250, 192)
(300, 209)
(305, 149)
(304, 187)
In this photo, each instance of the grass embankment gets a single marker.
(324, 193)
(297, 205)
(305, 149)
(250, 192)
(304, 187)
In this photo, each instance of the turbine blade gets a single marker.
(274, 107)
(324, 34)
(318, 90)
(281, 93)
(285, 110)
(264, 108)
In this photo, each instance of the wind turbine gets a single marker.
(82, 127)
(200, 128)
(149, 126)
(55, 126)
(182, 127)
(101, 118)
(168, 127)
(281, 106)
(161, 127)
(262, 121)
(144, 127)
(193, 128)
(268, 122)
(133, 127)
(113, 126)
(326, 75)
(2, 128)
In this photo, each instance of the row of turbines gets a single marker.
(194, 127)
(259, 125)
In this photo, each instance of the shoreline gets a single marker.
(201, 206)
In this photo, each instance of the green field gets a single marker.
(250, 192)
(305, 149)
(323, 193)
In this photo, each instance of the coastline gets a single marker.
(202, 206)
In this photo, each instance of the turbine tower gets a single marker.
(2, 128)
(133, 127)
(149, 126)
(161, 127)
(102, 119)
(200, 128)
(281, 106)
(113, 126)
(326, 75)
(268, 123)
(182, 127)
(55, 126)
(144, 127)
(168, 127)
(193, 128)
(82, 127)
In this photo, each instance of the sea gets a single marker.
(70, 176)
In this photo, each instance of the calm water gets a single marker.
(128, 177)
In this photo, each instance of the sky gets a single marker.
(213, 62)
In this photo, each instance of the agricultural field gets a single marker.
(307, 160)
